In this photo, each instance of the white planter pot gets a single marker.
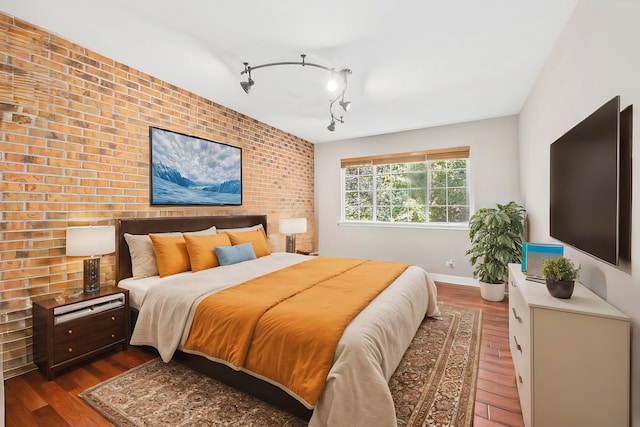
(492, 291)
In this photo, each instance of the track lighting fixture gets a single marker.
(332, 85)
(334, 119)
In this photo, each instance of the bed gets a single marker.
(356, 390)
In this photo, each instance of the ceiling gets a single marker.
(415, 63)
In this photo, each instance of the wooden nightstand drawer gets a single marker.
(81, 336)
(69, 331)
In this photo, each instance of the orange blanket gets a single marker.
(285, 325)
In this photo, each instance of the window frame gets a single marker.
(421, 156)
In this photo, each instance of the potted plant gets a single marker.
(560, 275)
(496, 240)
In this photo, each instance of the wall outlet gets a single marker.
(450, 263)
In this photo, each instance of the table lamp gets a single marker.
(290, 227)
(91, 241)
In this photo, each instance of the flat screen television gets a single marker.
(188, 170)
(589, 205)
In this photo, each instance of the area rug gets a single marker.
(434, 385)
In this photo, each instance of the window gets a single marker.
(425, 187)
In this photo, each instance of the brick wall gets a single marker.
(74, 150)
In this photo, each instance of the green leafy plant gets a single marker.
(496, 241)
(559, 269)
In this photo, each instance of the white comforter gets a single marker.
(357, 391)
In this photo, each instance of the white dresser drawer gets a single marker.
(555, 345)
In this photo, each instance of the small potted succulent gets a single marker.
(560, 275)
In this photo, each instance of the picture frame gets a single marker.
(189, 170)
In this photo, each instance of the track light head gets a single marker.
(332, 126)
(345, 105)
(246, 86)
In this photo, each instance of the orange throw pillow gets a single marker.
(171, 254)
(257, 237)
(200, 248)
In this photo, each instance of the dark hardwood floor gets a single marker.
(33, 401)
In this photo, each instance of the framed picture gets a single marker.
(187, 170)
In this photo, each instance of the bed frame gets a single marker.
(240, 380)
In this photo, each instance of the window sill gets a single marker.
(464, 226)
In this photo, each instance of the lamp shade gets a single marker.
(91, 240)
(290, 226)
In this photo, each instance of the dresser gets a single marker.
(571, 356)
(69, 330)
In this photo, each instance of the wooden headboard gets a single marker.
(166, 224)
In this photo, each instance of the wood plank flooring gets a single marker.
(497, 403)
(33, 401)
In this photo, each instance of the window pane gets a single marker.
(383, 213)
(438, 197)
(400, 214)
(438, 178)
(415, 192)
(366, 198)
(352, 198)
(458, 196)
(400, 197)
(458, 164)
(458, 214)
(384, 198)
(366, 182)
(418, 179)
(456, 178)
(437, 214)
(419, 196)
(351, 213)
(365, 170)
(383, 169)
(416, 167)
(384, 182)
(366, 214)
(350, 183)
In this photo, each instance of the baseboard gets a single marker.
(456, 280)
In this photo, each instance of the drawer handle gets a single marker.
(515, 315)
(69, 350)
(70, 331)
(518, 347)
(513, 283)
(113, 335)
(520, 379)
(113, 317)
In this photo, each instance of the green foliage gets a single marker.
(559, 269)
(496, 241)
(404, 194)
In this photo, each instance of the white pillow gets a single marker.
(206, 232)
(240, 230)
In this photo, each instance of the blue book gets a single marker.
(534, 254)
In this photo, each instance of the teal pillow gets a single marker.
(234, 254)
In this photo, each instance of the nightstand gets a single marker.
(69, 330)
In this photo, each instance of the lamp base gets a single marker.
(91, 283)
(291, 243)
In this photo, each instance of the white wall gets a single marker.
(494, 179)
(596, 58)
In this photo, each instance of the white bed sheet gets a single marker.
(357, 391)
(138, 287)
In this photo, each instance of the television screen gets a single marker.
(584, 187)
(187, 170)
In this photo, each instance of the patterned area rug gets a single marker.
(434, 385)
